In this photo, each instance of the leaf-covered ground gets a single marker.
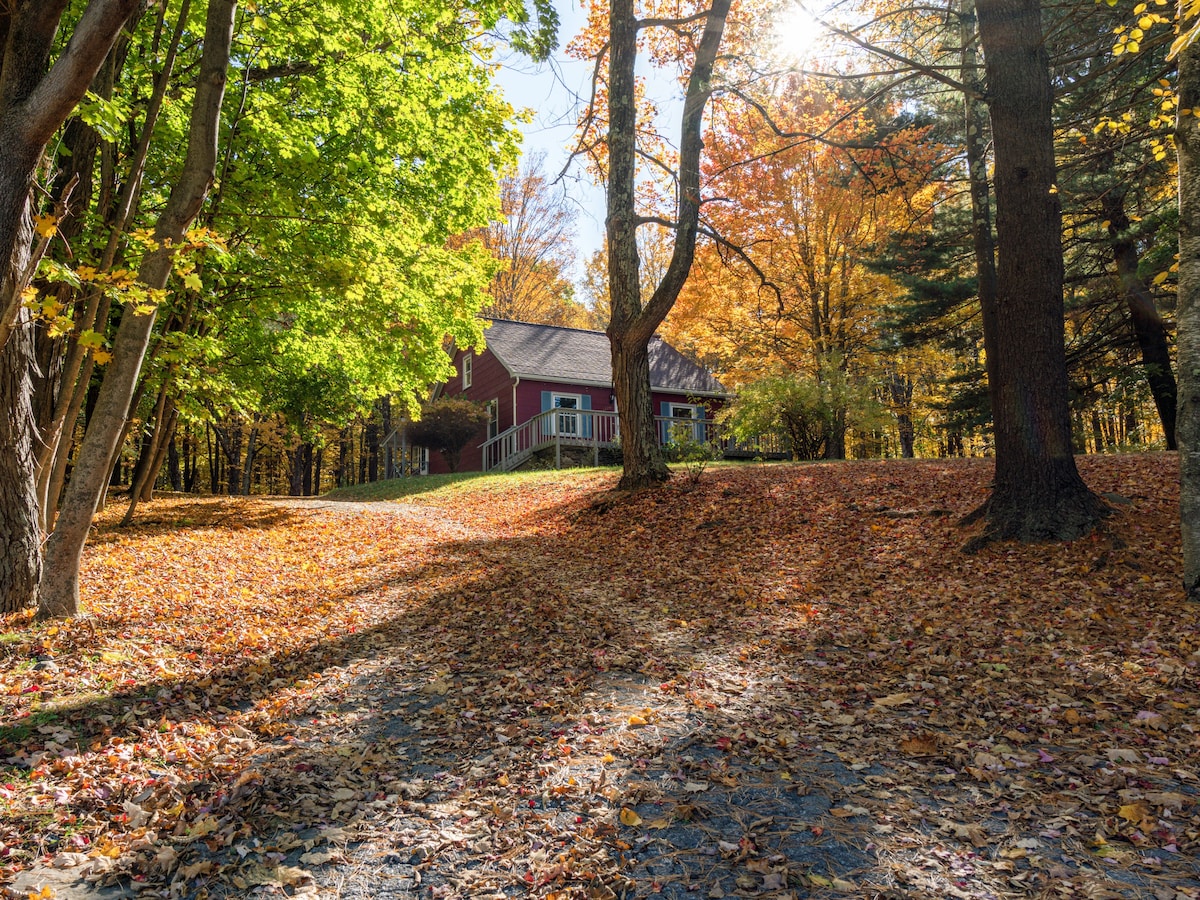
(784, 681)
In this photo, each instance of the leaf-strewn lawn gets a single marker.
(782, 681)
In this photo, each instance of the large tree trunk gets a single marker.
(1037, 493)
(59, 593)
(631, 325)
(34, 102)
(20, 522)
(1187, 338)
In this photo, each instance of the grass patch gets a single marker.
(438, 487)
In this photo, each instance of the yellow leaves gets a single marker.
(45, 225)
(1135, 813)
(46, 893)
(629, 817)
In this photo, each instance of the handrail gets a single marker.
(584, 428)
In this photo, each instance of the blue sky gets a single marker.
(556, 91)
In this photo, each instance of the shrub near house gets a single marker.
(446, 426)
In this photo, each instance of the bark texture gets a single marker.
(632, 324)
(59, 593)
(34, 102)
(1037, 493)
(1148, 326)
(1187, 338)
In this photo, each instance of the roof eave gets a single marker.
(658, 388)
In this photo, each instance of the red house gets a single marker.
(550, 387)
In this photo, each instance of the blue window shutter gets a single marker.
(699, 414)
(585, 402)
(546, 429)
(664, 429)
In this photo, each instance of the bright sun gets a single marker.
(796, 33)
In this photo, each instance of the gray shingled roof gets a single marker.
(575, 356)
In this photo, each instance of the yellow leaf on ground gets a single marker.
(629, 817)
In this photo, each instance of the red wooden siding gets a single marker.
(491, 381)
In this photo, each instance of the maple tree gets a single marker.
(634, 317)
(807, 211)
(533, 239)
(58, 591)
(35, 99)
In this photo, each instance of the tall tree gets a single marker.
(34, 102)
(634, 319)
(534, 241)
(1187, 141)
(1037, 493)
(58, 594)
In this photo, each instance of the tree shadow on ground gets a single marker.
(639, 702)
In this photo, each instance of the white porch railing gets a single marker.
(597, 429)
(558, 428)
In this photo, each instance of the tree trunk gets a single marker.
(372, 439)
(59, 593)
(307, 484)
(20, 531)
(1187, 334)
(640, 446)
(174, 473)
(296, 471)
(248, 465)
(631, 325)
(34, 102)
(901, 389)
(1037, 493)
(343, 457)
(1148, 325)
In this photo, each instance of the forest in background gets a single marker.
(288, 226)
(843, 263)
(311, 313)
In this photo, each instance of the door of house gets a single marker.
(566, 423)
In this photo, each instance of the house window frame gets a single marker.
(696, 416)
(573, 412)
(692, 410)
(493, 411)
(467, 369)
